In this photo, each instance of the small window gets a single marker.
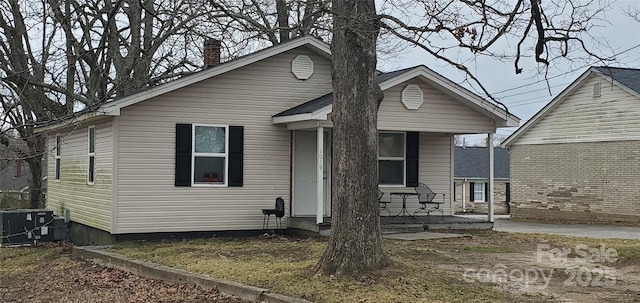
(57, 157)
(209, 154)
(597, 90)
(478, 191)
(91, 171)
(391, 158)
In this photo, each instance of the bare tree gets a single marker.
(24, 102)
(355, 244)
(117, 48)
(544, 32)
(259, 22)
(110, 49)
(508, 30)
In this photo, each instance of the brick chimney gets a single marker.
(211, 52)
(18, 168)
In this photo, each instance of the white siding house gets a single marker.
(207, 152)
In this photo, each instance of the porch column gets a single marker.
(464, 205)
(320, 175)
(490, 187)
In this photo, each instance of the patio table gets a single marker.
(404, 196)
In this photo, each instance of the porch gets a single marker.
(307, 225)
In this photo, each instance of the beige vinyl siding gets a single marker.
(581, 118)
(438, 113)
(148, 201)
(435, 171)
(87, 204)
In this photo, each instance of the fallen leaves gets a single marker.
(65, 279)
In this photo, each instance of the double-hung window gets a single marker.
(57, 157)
(91, 171)
(391, 158)
(479, 193)
(210, 154)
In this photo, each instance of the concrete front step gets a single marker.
(402, 228)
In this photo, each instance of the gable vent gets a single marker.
(302, 67)
(412, 97)
(597, 90)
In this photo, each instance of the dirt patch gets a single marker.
(580, 273)
(62, 278)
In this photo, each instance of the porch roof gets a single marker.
(319, 108)
(326, 100)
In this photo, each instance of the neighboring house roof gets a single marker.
(319, 108)
(626, 78)
(473, 163)
(10, 182)
(629, 77)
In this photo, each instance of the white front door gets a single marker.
(305, 174)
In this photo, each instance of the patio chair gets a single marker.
(427, 200)
(278, 212)
(383, 202)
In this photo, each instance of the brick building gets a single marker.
(578, 158)
(471, 177)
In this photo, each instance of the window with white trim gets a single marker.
(391, 158)
(91, 171)
(210, 154)
(478, 191)
(57, 157)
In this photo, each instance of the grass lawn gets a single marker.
(422, 271)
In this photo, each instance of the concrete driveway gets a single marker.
(576, 230)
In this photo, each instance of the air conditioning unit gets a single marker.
(26, 226)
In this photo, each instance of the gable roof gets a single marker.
(316, 109)
(326, 100)
(626, 78)
(319, 108)
(113, 108)
(473, 163)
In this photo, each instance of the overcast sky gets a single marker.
(526, 93)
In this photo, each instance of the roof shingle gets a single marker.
(473, 163)
(629, 77)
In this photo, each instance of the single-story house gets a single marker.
(205, 153)
(472, 180)
(578, 158)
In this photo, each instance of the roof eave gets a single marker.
(69, 122)
(321, 114)
(502, 117)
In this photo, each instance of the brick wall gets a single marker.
(595, 181)
(499, 199)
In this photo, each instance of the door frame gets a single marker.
(327, 172)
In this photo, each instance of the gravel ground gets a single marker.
(66, 279)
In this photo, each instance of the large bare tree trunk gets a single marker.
(37, 147)
(355, 245)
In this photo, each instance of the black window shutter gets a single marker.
(413, 142)
(472, 191)
(508, 192)
(236, 151)
(486, 192)
(183, 155)
(454, 191)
